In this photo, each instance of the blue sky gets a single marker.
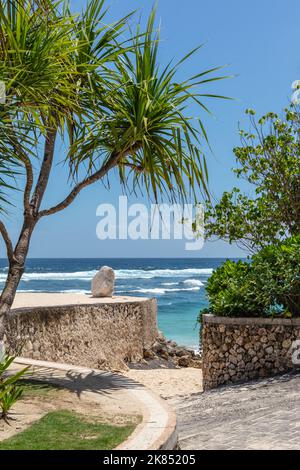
(259, 42)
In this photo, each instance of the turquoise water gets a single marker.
(178, 285)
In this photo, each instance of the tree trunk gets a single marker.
(16, 269)
(31, 216)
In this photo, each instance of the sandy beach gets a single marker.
(169, 383)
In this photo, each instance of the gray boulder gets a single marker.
(103, 282)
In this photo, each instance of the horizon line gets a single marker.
(135, 258)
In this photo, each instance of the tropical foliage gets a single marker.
(267, 224)
(267, 285)
(10, 390)
(269, 159)
(98, 92)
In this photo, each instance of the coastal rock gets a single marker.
(196, 363)
(184, 361)
(168, 351)
(103, 282)
(164, 354)
(158, 346)
(149, 354)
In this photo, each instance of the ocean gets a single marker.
(178, 285)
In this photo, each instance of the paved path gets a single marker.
(260, 415)
(116, 393)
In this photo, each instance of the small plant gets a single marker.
(10, 390)
(8, 398)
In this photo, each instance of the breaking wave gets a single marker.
(193, 282)
(160, 290)
(120, 274)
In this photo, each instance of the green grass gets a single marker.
(66, 430)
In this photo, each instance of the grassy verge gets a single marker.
(66, 430)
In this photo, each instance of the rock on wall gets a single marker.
(241, 349)
(105, 335)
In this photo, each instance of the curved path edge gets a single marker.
(157, 429)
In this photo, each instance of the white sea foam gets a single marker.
(49, 276)
(193, 282)
(120, 274)
(159, 290)
(74, 291)
(143, 274)
(30, 291)
(66, 291)
(155, 290)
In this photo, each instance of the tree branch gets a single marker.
(29, 181)
(46, 166)
(137, 168)
(7, 241)
(111, 162)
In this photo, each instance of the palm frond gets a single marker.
(103, 90)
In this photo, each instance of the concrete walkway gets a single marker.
(117, 393)
(260, 415)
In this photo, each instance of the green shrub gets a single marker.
(279, 268)
(268, 285)
(232, 292)
(10, 390)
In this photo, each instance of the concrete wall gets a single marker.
(241, 349)
(104, 335)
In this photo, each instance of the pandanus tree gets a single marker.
(98, 89)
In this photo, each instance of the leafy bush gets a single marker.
(232, 291)
(10, 390)
(278, 266)
(268, 285)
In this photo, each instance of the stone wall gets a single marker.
(105, 335)
(240, 349)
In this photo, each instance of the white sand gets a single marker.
(169, 383)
